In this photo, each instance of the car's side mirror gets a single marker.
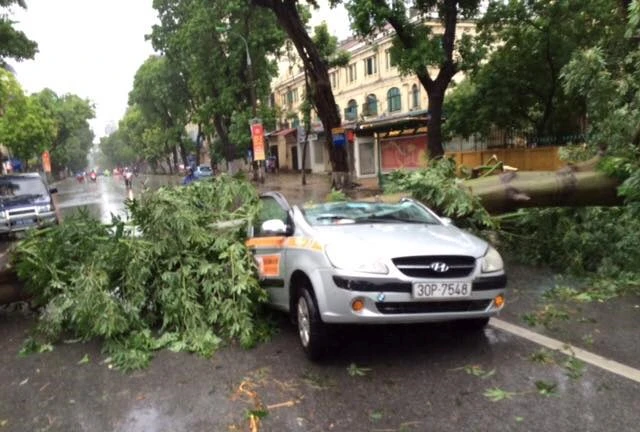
(446, 221)
(274, 227)
(53, 190)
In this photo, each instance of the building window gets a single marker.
(295, 122)
(370, 66)
(352, 73)
(415, 96)
(370, 107)
(389, 61)
(351, 112)
(333, 76)
(292, 96)
(393, 100)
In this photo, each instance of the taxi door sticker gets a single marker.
(269, 265)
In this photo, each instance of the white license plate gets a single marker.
(429, 290)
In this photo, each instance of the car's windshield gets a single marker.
(21, 186)
(366, 212)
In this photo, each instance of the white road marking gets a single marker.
(570, 350)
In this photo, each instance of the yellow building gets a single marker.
(371, 96)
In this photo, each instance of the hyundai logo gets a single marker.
(440, 267)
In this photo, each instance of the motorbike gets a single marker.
(80, 178)
(128, 180)
(93, 177)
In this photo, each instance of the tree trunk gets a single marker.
(174, 154)
(434, 124)
(287, 14)
(563, 188)
(307, 131)
(183, 150)
(435, 88)
(572, 186)
(228, 149)
(199, 144)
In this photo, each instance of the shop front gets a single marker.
(387, 144)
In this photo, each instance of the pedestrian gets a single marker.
(189, 178)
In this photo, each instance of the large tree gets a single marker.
(26, 128)
(317, 70)
(205, 40)
(73, 138)
(520, 85)
(14, 44)
(162, 93)
(420, 47)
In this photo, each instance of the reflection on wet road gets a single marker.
(107, 195)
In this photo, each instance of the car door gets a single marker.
(268, 246)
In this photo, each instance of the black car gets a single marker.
(25, 202)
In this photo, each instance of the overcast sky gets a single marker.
(93, 48)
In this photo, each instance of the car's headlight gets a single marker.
(492, 261)
(3, 214)
(349, 259)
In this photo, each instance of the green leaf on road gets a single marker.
(84, 359)
(478, 371)
(355, 370)
(496, 394)
(376, 415)
(574, 367)
(546, 388)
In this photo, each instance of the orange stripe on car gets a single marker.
(303, 243)
(265, 242)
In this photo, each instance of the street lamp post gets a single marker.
(252, 90)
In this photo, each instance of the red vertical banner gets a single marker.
(257, 136)
(46, 162)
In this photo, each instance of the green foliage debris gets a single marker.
(173, 277)
(440, 188)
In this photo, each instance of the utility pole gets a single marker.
(252, 95)
(254, 106)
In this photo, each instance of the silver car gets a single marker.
(25, 203)
(372, 263)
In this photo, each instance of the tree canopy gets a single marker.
(14, 44)
(210, 44)
(420, 48)
(31, 124)
(520, 85)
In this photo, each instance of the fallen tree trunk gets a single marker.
(11, 288)
(578, 185)
(563, 188)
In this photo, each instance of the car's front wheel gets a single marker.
(311, 330)
(474, 323)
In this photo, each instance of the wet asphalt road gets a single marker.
(416, 378)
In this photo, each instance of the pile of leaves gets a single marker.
(594, 245)
(439, 188)
(176, 275)
(597, 244)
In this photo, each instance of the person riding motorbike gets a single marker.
(189, 178)
(93, 176)
(128, 179)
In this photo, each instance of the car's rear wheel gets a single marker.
(311, 330)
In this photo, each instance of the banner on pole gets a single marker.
(46, 162)
(257, 137)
